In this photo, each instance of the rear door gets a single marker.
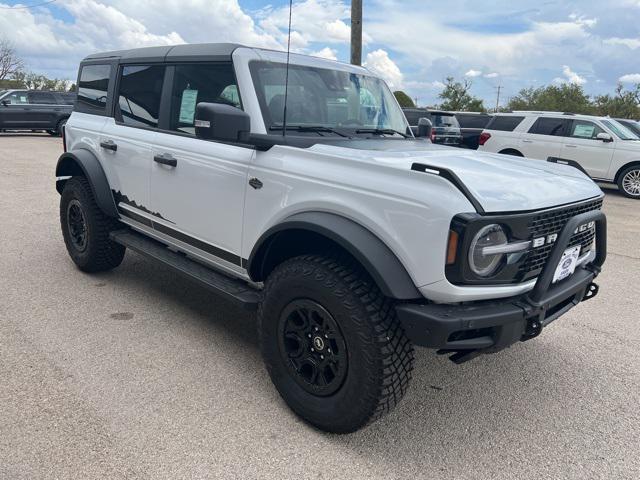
(42, 111)
(582, 146)
(201, 196)
(14, 109)
(127, 138)
(545, 138)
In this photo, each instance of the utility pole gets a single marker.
(498, 88)
(356, 32)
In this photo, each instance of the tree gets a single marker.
(624, 104)
(403, 99)
(567, 97)
(10, 63)
(456, 97)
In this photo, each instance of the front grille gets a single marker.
(548, 223)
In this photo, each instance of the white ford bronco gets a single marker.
(298, 189)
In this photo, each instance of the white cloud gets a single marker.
(583, 20)
(473, 73)
(630, 78)
(632, 43)
(570, 77)
(379, 63)
(326, 52)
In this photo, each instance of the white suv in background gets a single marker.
(601, 147)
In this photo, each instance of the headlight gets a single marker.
(483, 260)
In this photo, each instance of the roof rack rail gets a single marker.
(543, 112)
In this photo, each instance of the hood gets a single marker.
(500, 183)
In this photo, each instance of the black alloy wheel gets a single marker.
(313, 347)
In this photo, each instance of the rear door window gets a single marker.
(92, 89)
(41, 98)
(196, 83)
(504, 123)
(555, 127)
(139, 94)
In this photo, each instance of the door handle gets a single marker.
(109, 145)
(527, 141)
(166, 159)
(571, 146)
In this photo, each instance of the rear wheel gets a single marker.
(511, 151)
(86, 229)
(332, 343)
(629, 182)
(60, 127)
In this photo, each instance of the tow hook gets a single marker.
(532, 330)
(592, 291)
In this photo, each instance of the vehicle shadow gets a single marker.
(509, 403)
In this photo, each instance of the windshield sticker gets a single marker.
(188, 106)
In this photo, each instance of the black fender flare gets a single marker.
(372, 253)
(83, 162)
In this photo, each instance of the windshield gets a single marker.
(2, 92)
(631, 125)
(319, 97)
(620, 130)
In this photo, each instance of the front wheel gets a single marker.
(629, 182)
(86, 229)
(332, 343)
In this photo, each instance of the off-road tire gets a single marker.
(99, 252)
(380, 357)
(621, 181)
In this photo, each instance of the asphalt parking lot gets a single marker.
(138, 374)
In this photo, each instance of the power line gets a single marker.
(25, 7)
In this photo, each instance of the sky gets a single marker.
(413, 44)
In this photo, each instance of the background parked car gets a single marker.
(446, 130)
(471, 126)
(601, 147)
(35, 110)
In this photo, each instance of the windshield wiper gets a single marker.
(381, 131)
(310, 128)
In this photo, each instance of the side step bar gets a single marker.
(227, 287)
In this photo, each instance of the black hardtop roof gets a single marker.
(174, 53)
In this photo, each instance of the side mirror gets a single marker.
(217, 121)
(424, 128)
(605, 137)
(5, 103)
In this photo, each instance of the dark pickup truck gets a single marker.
(471, 126)
(35, 110)
(445, 131)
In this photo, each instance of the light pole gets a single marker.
(356, 32)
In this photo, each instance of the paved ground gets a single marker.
(136, 374)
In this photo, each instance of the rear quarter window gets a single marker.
(93, 86)
(504, 123)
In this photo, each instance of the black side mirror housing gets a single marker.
(226, 123)
(424, 127)
(5, 103)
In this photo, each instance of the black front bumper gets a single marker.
(489, 326)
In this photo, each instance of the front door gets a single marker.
(198, 186)
(14, 110)
(583, 147)
(545, 138)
